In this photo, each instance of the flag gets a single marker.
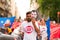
(3, 20)
(48, 28)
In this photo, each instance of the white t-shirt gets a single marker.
(43, 31)
(29, 31)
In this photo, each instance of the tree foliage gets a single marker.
(49, 7)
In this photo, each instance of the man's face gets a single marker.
(34, 14)
(28, 17)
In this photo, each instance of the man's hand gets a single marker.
(33, 20)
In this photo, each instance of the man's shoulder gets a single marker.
(24, 22)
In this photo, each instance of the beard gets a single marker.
(28, 19)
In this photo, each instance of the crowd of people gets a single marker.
(29, 28)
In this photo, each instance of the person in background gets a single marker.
(20, 20)
(15, 24)
(7, 27)
(16, 32)
(29, 28)
(43, 29)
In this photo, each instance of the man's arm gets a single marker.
(36, 28)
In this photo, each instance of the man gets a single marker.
(43, 29)
(29, 28)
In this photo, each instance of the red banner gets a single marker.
(55, 31)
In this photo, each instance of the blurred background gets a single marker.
(46, 8)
